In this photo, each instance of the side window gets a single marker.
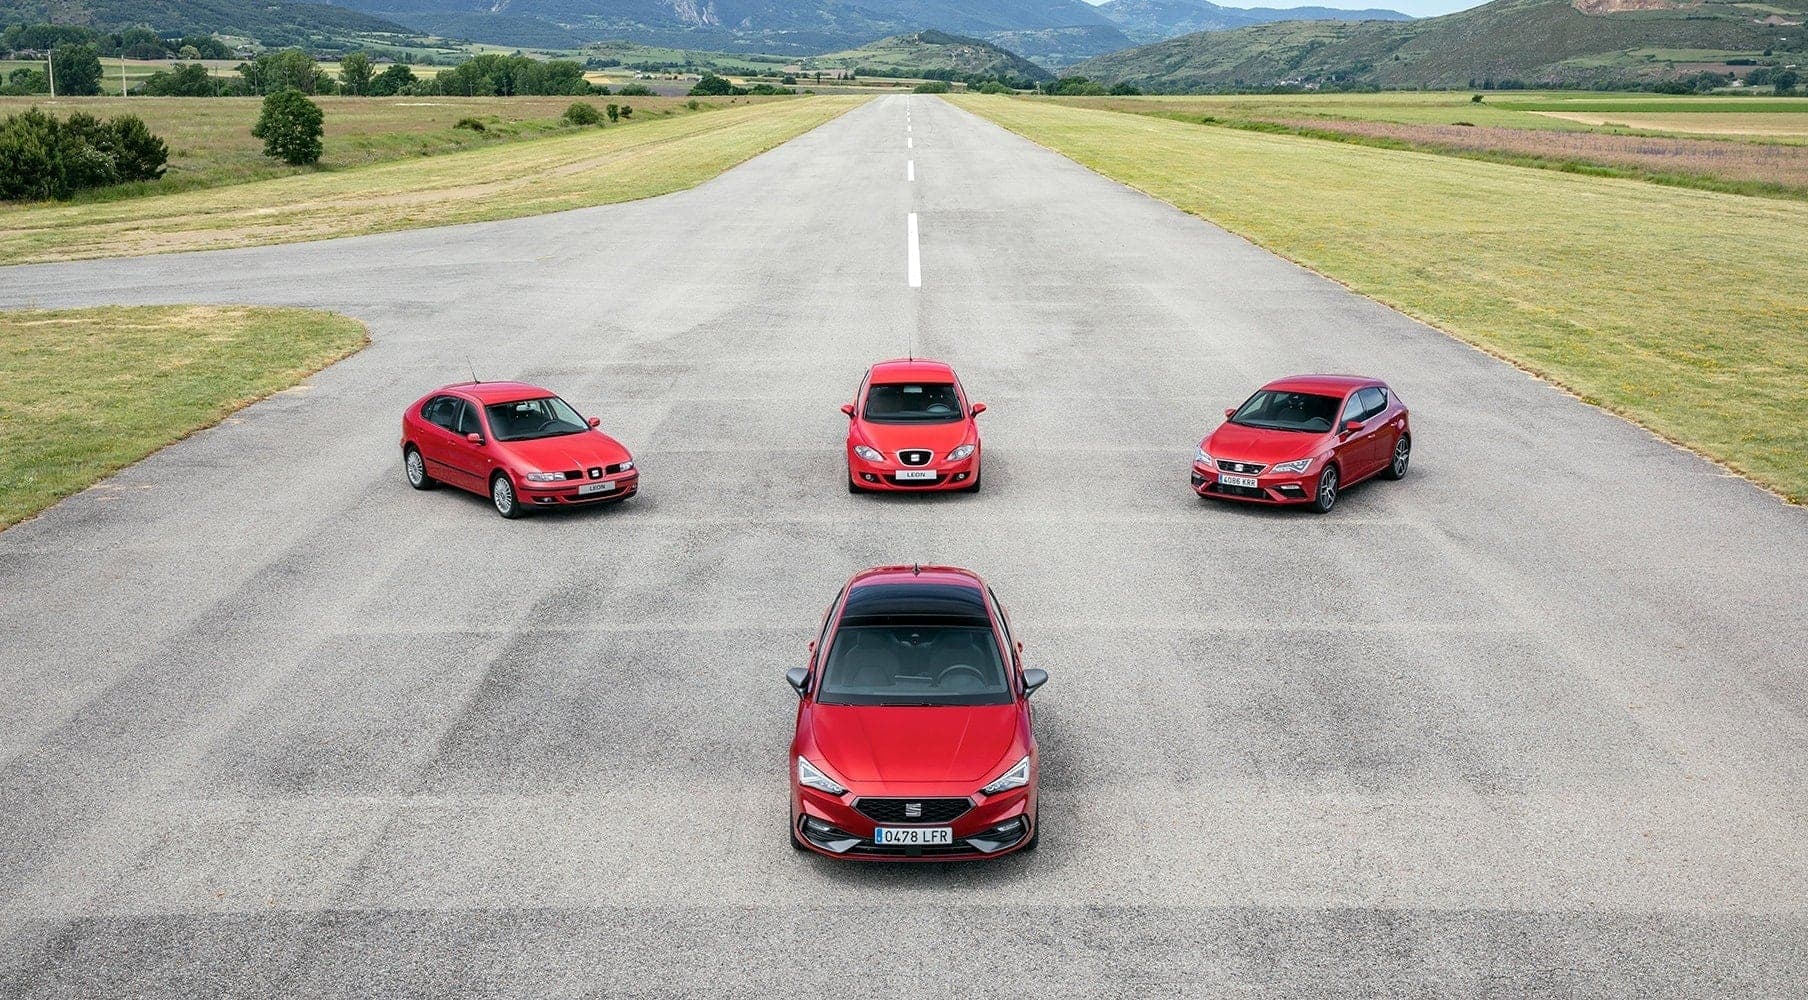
(467, 419)
(1374, 400)
(1351, 410)
(441, 411)
(828, 619)
(1010, 645)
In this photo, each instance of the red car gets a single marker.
(913, 723)
(911, 428)
(518, 444)
(1304, 439)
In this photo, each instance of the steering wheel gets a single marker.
(960, 669)
(546, 424)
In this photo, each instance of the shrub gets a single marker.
(627, 111)
(993, 87)
(634, 90)
(933, 87)
(693, 105)
(582, 114)
(1125, 89)
(613, 111)
(41, 157)
(290, 127)
(1475, 98)
(25, 81)
(470, 123)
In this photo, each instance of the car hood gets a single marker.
(939, 438)
(1253, 444)
(955, 743)
(567, 451)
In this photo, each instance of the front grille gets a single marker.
(935, 811)
(574, 474)
(1239, 491)
(915, 456)
(867, 848)
(1244, 468)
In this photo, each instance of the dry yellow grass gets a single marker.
(529, 177)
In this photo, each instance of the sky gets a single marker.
(1417, 8)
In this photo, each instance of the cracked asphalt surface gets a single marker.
(1529, 723)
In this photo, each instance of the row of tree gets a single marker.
(132, 43)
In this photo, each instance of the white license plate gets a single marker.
(1229, 480)
(589, 489)
(908, 474)
(913, 836)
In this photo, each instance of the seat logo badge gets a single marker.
(913, 810)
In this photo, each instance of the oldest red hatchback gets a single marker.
(910, 427)
(913, 738)
(1302, 440)
(518, 444)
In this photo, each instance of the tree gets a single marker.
(76, 69)
(613, 111)
(181, 80)
(287, 69)
(712, 85)
(41, 157)
(391, 81)
(290, 127)
(354, 73)
(1784, 81)
(188, 52)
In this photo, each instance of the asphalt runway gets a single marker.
(1529, 723)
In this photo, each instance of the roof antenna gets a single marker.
(916, 569)
(474, 379)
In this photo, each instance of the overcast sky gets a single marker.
(1417, 8)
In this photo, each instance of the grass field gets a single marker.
(211, 144)
(572, 170)
(1681, 309)
(90, 391)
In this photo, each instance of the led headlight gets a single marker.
(1202, 458)
(1298, 466)
(867, 453)
(546, 477)
(959, 453)
(810, 777)
(627, 466)
(1016, 777)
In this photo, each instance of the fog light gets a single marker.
(542, 499)
(818, 826)
(869, 477)
(960, 476)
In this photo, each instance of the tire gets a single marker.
(415, 467)
(502, 497)
(1396, 469)
(1326, 498)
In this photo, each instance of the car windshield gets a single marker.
(913, 403)
(1281, 410)
(533, 418)
(914, 665)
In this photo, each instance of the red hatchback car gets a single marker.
(913, 723)
(1301, 440)
(518, 444)
(910, 427)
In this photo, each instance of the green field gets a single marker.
(1681, 309)
(211, 144)
(90, 391)
(572, 170)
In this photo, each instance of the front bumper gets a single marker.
(566, 494)
(1279, 488)
(833, 826)
(883, 475)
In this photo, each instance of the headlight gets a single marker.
(1016, 777)
(959, 453)
(1202, 458)
(627, 466)
(1299, 466)
(546, 477)
(867, 453)
(809, 776)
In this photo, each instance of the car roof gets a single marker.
(910, 370)
(499, 392)
(922, 594)
(1337, 384)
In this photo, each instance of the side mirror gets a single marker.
(474, 437)
(1229, 412)
(1352, 426)
(1033, 678)
(979, 408)
(799, 679)
(848, 408)
(595, 421)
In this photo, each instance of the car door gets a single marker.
(472, 461)
(440, 415)
(1378, 437)
(1352, 447)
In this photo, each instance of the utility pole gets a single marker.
(50, 67)
(122, 75)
